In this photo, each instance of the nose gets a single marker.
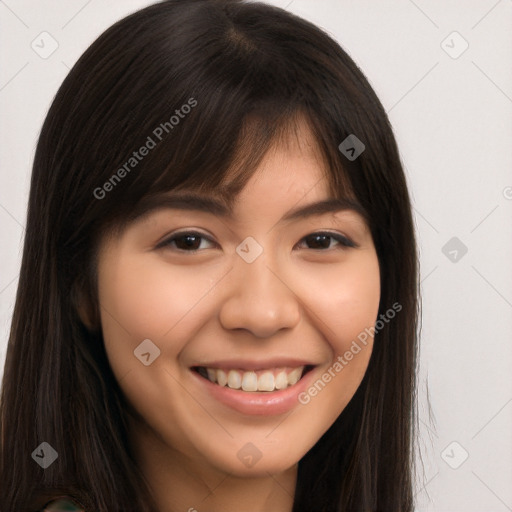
(259, 300)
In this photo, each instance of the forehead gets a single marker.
(294, 140)
(286, 173)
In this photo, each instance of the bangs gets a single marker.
(225, 174)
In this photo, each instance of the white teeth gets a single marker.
(266, 382)
(281, 381)
(294, 376)
(222, 378)
(251, 381)
(234, 380)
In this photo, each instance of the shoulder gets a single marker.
(63, 504)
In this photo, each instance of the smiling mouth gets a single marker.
(272, 379)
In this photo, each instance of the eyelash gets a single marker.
(343, 241)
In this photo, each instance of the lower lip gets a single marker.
(262, 403)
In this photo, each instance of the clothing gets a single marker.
(63, 504)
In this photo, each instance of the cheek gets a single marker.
(344, 312)
(142, 298)
(345, 299)
(355, 307)
(354, 312)
(151, 294)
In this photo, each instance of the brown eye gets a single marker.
(322, 241)
(187, 241)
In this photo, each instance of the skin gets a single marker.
(211, 304)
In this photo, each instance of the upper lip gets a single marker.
(245, 364)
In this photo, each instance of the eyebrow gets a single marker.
(218, 207)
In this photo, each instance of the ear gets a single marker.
(85, 308)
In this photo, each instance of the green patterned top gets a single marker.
(63, 504)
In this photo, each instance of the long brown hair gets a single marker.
(251, 69)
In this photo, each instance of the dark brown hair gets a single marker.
(252, 71)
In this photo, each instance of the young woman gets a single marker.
(217, 304)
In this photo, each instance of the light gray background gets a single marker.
(451, 117)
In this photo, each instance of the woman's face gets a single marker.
(259, 298)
